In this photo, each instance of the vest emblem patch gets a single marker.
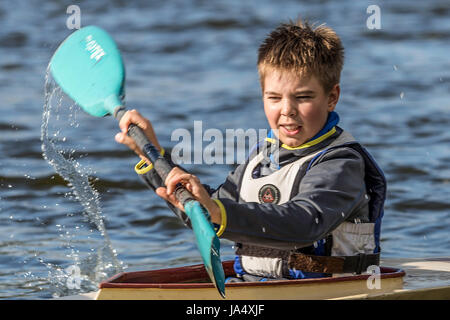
(269, 194)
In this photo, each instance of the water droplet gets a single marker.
(263, 229)
(402, 94)
(395, 67)
(317, 220)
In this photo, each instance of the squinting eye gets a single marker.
(273, 98)
(303, 97)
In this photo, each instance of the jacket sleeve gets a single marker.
(228, 190)
(327, 195)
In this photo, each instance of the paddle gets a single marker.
(88, 67)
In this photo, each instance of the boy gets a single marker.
(317, 210)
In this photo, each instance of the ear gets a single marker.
(333, 97)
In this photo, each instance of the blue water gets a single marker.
(195, 60)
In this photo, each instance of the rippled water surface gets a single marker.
(195, 60)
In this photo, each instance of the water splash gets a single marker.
(103, 262)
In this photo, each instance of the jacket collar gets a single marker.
(287, 154)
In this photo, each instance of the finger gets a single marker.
(147, 160)
(161, 191)
(123, 138)
(176, 202)
(133, 116)
(170, 176)
(171, 182)
(171, 198)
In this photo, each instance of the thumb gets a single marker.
(119, 137)
(162, 192)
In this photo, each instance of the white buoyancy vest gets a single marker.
(348, 238)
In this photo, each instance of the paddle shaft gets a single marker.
(161, 165)
(193, 208)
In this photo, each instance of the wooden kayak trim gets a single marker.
(176, 278)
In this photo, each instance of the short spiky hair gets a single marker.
(300, 48)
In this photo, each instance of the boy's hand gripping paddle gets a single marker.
(89, 69)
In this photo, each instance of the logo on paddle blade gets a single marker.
(94, 48)
(269, 194)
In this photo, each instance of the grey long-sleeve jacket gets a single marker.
(340, 184)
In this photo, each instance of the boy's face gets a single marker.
(296, 107)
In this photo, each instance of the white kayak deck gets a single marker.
(426, 278)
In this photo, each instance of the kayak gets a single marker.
(191, 282)
(427, 278)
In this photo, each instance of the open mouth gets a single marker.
(290, 130)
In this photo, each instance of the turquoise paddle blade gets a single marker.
(208, 244)
(89, 69)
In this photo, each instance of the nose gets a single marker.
(288, 108)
